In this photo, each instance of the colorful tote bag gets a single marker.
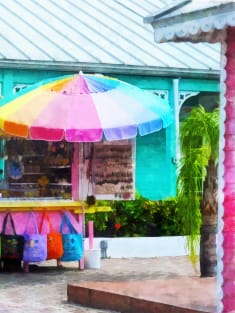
(54, 240)
(35, 246)
(72, 242)
(11, 245)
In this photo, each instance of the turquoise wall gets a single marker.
(155, 171)
(152, 170)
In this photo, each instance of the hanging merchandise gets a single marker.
(35, 247)
(54, 240)
(11, 245)
(113, 170)
(15, 168)
(37, 169)
(90, 160)
(90, 199)
(72, 242)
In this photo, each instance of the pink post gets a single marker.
(90, 234)
(75, 171)
(228, 231)
(82, 264)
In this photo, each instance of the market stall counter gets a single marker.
(39, 178)
(80, 144)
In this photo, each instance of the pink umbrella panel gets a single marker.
(83, 108)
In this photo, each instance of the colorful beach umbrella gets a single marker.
(83, 108)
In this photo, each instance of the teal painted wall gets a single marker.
(152, 166)
(155, 171)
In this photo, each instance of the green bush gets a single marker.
(137, 218)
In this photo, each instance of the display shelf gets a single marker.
(59, 166)
(49, 204)
(36, 183)
(23, 183)
(45, 169)
(33, 173)
(33, 155)
(60, 184)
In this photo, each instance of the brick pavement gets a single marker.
(44, 288)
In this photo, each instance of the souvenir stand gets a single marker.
(79, 135)
(55, 177)
(33, 169)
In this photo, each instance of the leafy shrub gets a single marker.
(137, 218)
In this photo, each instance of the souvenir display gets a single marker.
(54, 239)
(114, 169)
(90, 199)
(35, 245)
(72, 241)
(39, 244)
(15, 168)
(40, 169)
(11, 245)
(36, 169)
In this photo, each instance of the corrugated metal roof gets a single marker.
(107, 32)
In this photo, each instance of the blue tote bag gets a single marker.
(35, 245)
(72, 242)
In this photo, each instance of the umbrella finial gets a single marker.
(80, 73)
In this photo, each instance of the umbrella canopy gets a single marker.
(83, 108)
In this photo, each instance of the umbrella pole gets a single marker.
(81, 167)
(82, 261)
(82, 192)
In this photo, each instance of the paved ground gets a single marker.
(44, 288)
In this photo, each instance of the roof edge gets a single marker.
(110, 69)
(166, 10)
(169, 18)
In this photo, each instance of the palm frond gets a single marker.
(199, 139)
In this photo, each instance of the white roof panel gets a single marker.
(94, 32)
